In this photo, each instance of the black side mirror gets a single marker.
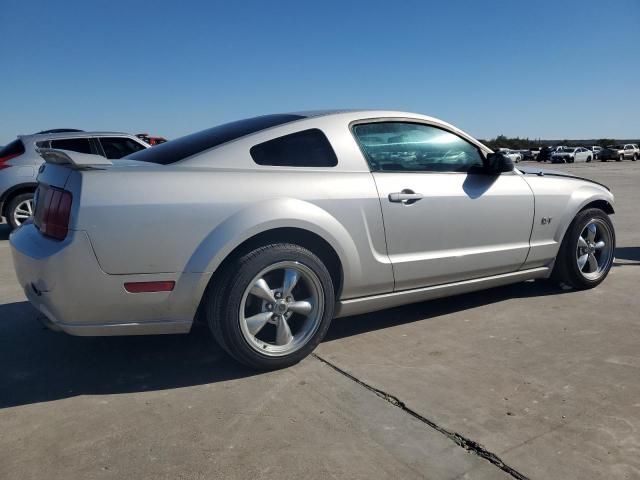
(498, 163)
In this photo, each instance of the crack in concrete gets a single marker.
(460, 440)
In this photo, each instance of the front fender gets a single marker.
(558, 200)
(580, 198)
(269, 215)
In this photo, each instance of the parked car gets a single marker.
(611, 152)
(514, 155)
(19, 162)
(526, 155)
(151, 140)
(571, 155)
(545, 154)
(631, 152)
(276, 227)
(535, 151)
(596, 151)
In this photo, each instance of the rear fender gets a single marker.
(277, 213)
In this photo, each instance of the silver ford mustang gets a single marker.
(267, 228)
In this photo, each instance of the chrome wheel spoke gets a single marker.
(591, 232)
(291, 278)
(600, 245)
(582, 243)
(261, 290)
(30, 207)
(303, 307)
(593, 263)
(256, 322)
(283, 332)
(582, 261)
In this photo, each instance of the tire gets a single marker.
(15, 209)
(571, 160)
(588, 159)
(231, 303)
(567, 270)
(635, 157)
(621, 158)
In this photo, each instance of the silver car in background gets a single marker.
(19, 163)
(267, 228)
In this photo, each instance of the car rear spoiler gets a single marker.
(75, 160)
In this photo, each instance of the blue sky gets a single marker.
(550, 69)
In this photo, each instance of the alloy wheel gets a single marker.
(23, 211)
(594, 252)
(281, 308)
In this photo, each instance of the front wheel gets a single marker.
(635, 157)
(620, 158)
(586, 253)
(20, 209)
(271, 307)
(588, 159)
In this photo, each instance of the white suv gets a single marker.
(631, 151)
(19, 163)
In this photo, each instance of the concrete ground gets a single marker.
(523, 381)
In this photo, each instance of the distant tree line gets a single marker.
(517, 143)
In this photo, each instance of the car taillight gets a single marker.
(5, 159)
(53, 209)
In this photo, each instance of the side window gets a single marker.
(309, 148)
(414, 147)
(81, 145)
(118, 147)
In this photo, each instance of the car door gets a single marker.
(445, 218)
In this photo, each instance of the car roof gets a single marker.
(53, 136)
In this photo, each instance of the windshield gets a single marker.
(183, 147)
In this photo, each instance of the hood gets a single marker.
(543, 172)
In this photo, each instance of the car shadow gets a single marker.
(348, 326)
(4, 232)
(627, 254)
(39, 365)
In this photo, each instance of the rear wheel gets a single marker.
(270, 308)
(635, 157)
(20, 209)
(620, 158)
(586, 253)
(588, 159)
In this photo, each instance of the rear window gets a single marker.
(118, 147)
(309, 148)
(181, 148)
(13, 149)
(81, 145)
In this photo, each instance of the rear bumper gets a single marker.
(64, 281)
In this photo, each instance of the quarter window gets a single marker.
(308, 148)
(80, 145)
(414, 147)
(118, 147)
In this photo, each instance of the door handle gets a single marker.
(406, 197)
